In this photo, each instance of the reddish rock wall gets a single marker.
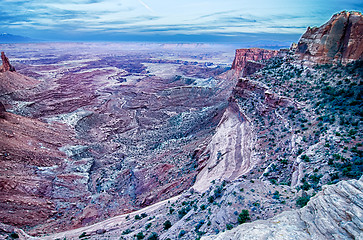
(339, 40)
(6, 64)
(244, 59)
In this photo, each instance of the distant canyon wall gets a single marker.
(248, 60)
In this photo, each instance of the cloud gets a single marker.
(146, 6)
(218, 18)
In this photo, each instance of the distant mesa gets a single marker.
(338, 40)
(6, 64)
(247, 60)
(10, 38)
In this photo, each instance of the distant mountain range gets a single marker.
(10, 38)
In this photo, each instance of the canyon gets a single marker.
(172, 142)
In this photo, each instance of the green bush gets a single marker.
(302, 201)
(276, 195)
(82, 235)
(148, 226)
(167, 225)
(229, 226)
(140, 235)
(244, 216)
(182, 233)
(199, 225)
(127, 231)
(182, 212)
(153, 236)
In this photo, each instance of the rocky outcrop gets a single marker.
(335, 213)
(246, 60)
(338, 40)
(6, 64)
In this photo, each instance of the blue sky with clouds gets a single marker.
(160, 20)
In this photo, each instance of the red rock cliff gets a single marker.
(339, 40)
(244, 58)
(6, 64)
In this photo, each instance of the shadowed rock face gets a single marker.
(2, 110)
(339, 40)
(6, 64)
(246, 60)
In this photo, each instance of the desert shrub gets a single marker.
(244, 216)
(140, 235)
(182, 212)
(182, 233)
(167, 225)
(127, 231)
(302, 201)
(276, 195)
(153, 236)
(199, 225)
(171, 210)
(148, 226)
(82, 235)
(305, 158)
(229, 226)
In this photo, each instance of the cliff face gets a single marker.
(246, 60)
(339, 40)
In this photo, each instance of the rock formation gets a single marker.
(246, 60)
(335, 213)
(338, 40)
(2, 110)
(6, 64)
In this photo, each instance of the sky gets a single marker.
(164, 21)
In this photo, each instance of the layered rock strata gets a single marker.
(246, 60)
(338, 40)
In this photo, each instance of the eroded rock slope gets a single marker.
(336, 212)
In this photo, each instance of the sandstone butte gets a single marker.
(6, 64)
(338, 40)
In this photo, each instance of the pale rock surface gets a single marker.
(334, 213)
(229, 150)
